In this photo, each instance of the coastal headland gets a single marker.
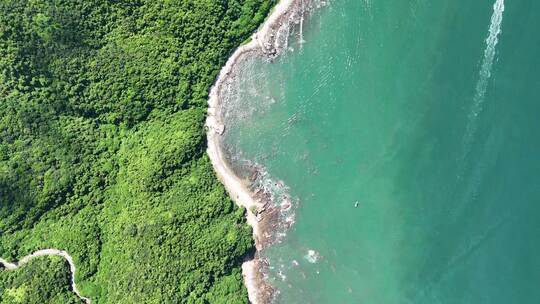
(260, 212)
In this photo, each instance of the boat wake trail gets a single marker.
(489, 56)
(485, 73)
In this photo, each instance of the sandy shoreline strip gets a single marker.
(263, 42)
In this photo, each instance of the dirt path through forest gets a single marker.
(46, 252)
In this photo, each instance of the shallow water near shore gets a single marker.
(406, 133)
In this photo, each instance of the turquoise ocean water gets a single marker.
(426, 116)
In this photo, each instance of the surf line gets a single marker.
(490, 51)
(266, 42)
(46, 252)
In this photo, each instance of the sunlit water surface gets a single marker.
(408, 132)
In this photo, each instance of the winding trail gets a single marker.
(46, 252)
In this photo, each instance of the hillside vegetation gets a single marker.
(102, 149)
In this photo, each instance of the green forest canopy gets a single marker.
(102, 150)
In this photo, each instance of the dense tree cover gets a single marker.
(102, 105)
(44, 280)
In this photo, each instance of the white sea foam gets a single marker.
(242, 93)
(312, 256)
(489, 56)
(302, 25)
(490, 51)
(279, 195)
(282, 276)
